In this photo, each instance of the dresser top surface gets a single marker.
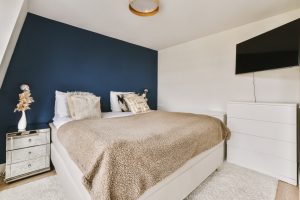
(263, 103)
(13, 130)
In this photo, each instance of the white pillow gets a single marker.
(61, 104)
(114, 104)
(61, 108)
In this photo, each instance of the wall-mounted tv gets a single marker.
(277, 48)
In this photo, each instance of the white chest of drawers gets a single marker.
(27, 152)
(264, 138)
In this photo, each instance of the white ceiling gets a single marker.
(178, 20)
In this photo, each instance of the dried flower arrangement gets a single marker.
(25, 99)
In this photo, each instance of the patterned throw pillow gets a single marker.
(84, 106)
(122, 103)
(136, 104)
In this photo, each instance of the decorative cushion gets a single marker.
(136, 104)
(114, 104)
(81, 93)
(84, 105)
(122, 103)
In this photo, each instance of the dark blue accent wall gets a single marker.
(51, 56)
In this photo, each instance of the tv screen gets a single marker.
(274, 49)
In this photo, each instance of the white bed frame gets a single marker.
(176, 187)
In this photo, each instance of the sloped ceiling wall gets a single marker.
(12, 17)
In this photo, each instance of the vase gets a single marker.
(23, 122)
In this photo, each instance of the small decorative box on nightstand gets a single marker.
(27, 152)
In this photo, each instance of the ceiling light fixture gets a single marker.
(144, 7)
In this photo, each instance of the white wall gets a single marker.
(200, 75)
(12, 16)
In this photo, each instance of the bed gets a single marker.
(175, 186)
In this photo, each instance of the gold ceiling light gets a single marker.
(144, 7)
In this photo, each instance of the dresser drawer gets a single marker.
(19, 142)
(278, 113)
(22, 168)
(29, 153)
(275, 166)
(277, 131)
(259, 145)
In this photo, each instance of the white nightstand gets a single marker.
(27, 152)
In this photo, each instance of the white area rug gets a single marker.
(235, 183)
(229, 183)
(44, 189)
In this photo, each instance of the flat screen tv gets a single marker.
(277, 48)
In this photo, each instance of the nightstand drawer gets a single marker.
(24, 141)
(29, 153)
(27, 167)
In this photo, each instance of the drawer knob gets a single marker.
(29, 165)
(29, 152)
(29, 140)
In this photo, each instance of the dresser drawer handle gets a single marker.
(29, 165)
(29, 152)
(29, 140)
(33, 132)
